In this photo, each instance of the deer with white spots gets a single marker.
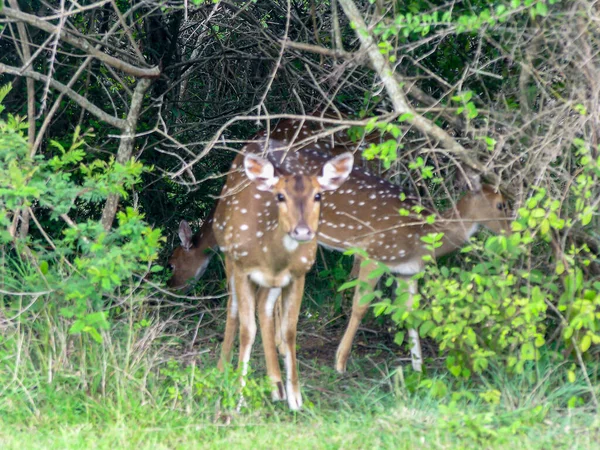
(365, 214)
(190, 259)
(266, 224)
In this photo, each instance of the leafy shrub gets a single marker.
(73, 267)
(503, 306)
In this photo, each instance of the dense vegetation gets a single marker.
(119, 119)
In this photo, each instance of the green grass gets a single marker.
(152, 384)
(363, 419)
(109, 396)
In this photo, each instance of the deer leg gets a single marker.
(245, 293)
(278, 336)
(415, 350)
(290, 303)
(267, 299)
(358, 311)
(232, 323)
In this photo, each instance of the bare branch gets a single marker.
(79, 99)
(126, 147)
(397, 96)
(82, 44)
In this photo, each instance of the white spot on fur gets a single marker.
(289, 243)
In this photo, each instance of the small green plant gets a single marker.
(214, 387)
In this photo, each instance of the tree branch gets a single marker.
(24, 214)
(79, 99)
(397, 96)
(126, 147)
(412, 89)
(82, 44)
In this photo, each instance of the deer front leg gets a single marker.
(245, 293)
(290, 303)
(232, 322)
(267, 301)
(358, 311)
(415, 350)
(277, 319)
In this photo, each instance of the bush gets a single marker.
(77, 268)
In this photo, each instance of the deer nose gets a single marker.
(302, 233)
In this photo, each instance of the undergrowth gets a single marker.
(145, 386)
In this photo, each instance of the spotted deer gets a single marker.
(365, 214)
(190, 259)
(266, 224)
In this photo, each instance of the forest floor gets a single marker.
(150, 385)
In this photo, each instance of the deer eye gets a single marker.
(280, 198)
(317, 197)
(500, 206)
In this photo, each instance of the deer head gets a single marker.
(298, 197)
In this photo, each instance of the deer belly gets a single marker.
(269, 280)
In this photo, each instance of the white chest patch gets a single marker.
(259, 278)
(407, 268)
(277, 281)
(289, 243)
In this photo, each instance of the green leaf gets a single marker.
(538, 213)
(586, 342)
(527, 352)
(399, 338)
(348, 285)
(541, 9)
(517, 226)
(77, 327)
(426, 327)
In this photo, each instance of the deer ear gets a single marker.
(475, 181)
(472, 180)
(260, 172)
(185, 235)
(336, 171)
